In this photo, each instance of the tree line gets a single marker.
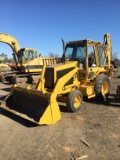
(50, 54)
(6, 59)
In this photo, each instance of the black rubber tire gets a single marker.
(118, 93)
(71, 98)
(30, 79)
(99, 81)
(2, 78)
(14, 79)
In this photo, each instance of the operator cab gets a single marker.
(89, 54)
(27, 54)
(76, 52)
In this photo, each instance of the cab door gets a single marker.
(92, 61)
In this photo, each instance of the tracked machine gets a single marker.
(84, 70)
(28, 64)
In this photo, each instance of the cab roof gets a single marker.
(28, 49)
(84, 41)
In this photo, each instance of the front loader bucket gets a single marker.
(32, 105)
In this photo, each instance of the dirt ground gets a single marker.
(93, 133)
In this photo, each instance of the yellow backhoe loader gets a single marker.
(28, 62)
(85, 70)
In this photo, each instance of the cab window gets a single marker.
(76, 53)
(35, 54)
(25, 53)
(91, 56)
(31, 55)
(68, 52)
(101, 56)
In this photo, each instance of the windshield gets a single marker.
(35, 54)
(76, 52)
(26, 55)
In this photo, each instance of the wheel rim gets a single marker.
(104, 88)
(77, 101)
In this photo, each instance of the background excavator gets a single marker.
(84, 70)
(27, 61)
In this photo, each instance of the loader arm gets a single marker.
(60, 87)
(11, 41)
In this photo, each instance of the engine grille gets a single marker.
(49, 77)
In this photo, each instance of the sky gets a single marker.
(41, 24)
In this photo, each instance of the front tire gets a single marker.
(14, 79)
(74, 101)
(2, 78)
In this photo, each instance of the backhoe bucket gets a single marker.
(32, 105)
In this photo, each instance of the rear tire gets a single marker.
(102, 86)
(74, 101)
(118, 93)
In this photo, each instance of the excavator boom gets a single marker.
(11, 41)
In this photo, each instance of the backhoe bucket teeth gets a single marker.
(32, 106)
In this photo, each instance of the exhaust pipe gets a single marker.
(63, 57)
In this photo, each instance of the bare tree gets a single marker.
(56, 55)
(114, 55)
(52, 55)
